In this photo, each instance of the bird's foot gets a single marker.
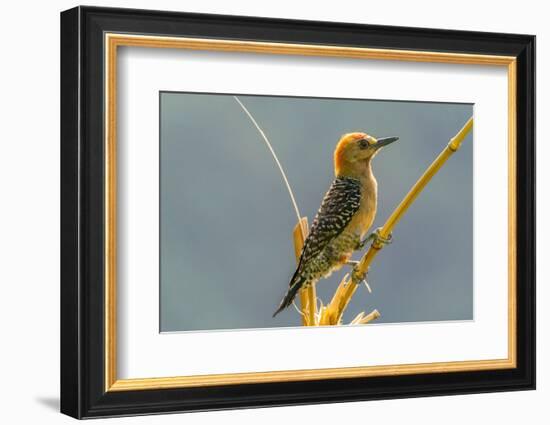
(376, 238)
(382, 240)
(360, 276)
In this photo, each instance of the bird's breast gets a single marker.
(362, 221)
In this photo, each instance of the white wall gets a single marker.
(29, 228)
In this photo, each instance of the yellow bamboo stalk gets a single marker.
(374, 314)
(347, 287)
(362, 318)
(308, 296)
(328, 314)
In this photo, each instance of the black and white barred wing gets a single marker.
(339, 205)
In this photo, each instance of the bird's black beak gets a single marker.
(385, 141)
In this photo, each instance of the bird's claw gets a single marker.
(360, 277)
(380, 239)
(376, 238)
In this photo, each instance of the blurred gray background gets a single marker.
(226, 253)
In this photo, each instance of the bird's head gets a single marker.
(355, 150)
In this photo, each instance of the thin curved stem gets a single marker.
(298, 215)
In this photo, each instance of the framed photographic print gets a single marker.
(261, 212)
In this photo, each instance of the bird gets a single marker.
(346, 214)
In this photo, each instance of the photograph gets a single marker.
(238, 172)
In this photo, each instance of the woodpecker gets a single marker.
(345, 216)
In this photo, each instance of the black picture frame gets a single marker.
(83, 392)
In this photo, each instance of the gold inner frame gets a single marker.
(113, 41)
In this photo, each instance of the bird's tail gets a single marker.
(295, 285)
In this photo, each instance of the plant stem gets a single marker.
(308, 296)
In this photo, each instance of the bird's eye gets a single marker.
(363, 144)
